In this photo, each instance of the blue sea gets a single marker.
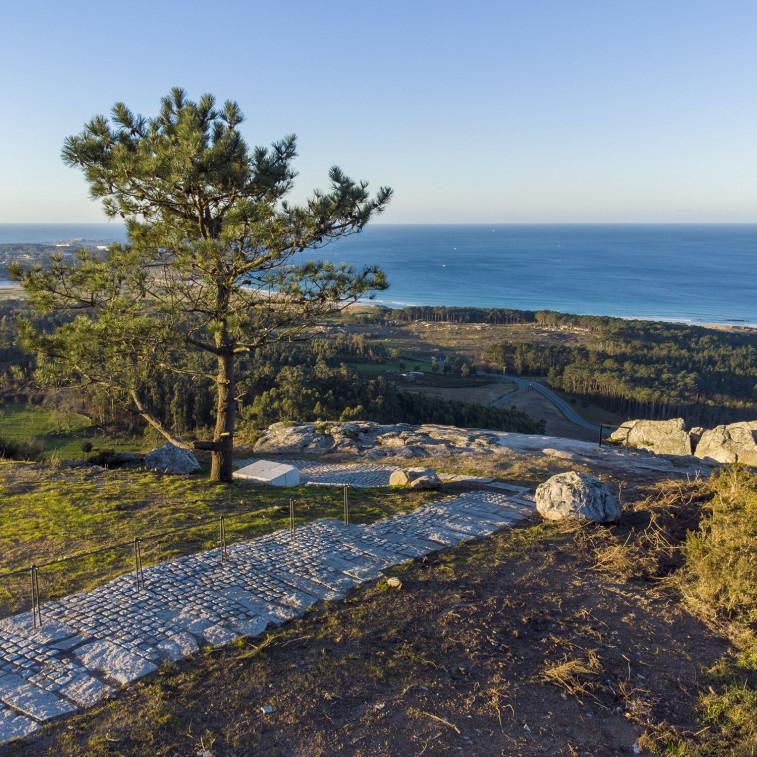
(689, 273)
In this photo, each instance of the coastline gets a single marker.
(14, 290)
(726, 324)
(686, 274)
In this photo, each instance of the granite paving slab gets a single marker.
(14, 726)
(90, 642)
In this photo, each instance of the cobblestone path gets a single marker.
(91, 643)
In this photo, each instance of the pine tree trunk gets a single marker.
(222, 456)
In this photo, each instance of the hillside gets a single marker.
(540, 639)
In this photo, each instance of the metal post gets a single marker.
(600, 434)
(346, 507)
(138, 574)
(222, 537)
(291, 518)
(36, 608)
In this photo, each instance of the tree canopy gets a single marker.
(213, 267)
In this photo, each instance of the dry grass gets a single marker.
(576, 675)
(647, 545)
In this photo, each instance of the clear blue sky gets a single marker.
(510, 111)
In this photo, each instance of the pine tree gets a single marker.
(212, 262)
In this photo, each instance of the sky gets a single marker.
(515, 111)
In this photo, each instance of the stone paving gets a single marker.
(91, 643)
(359, 475)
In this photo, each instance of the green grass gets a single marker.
(60, 435)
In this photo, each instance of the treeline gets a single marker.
(380, 315)
(308, 386)
(311, 382)
(305, 381)
(437, 314)
(647, 369)
(28, 253)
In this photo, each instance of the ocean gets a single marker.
(687, 273)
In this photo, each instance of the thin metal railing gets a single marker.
(603, 426)
(137, 544)
(379, 505)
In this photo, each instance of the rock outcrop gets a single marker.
(372, 441)
(575, 495)
(415, 478)
(734, 443)
(171, 459)
(661, 437)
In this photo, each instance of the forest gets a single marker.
(646, 369)
(637, 369)
(297, 381)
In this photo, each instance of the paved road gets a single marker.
(560, 404)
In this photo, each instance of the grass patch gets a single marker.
(719, 580)
(58, 435)
(49, 514)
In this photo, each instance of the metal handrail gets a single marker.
(384, 508)
(136, 546)
(603, 426)
(123, 545)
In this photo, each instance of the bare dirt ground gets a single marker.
(536, 641)
(540, 408)
(530, 401)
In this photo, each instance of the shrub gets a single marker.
(721, 558)
(15, 449)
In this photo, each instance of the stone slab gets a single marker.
(178, 646)
(114, 661)
(270, 611)
(267, 472)
(14, 726)
(52, 631)
(86, 690)
(306, 587)
(218, 635)
(252, 627)
(31, 700)
(195, 624)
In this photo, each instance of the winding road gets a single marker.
(560, 404)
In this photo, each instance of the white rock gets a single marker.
(661, 437)
(575, 495)
(86, 691)
(114, 661)
(415, 478)
(31, 700)
(735, 443)
(171, 459)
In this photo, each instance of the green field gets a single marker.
(60, 435)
